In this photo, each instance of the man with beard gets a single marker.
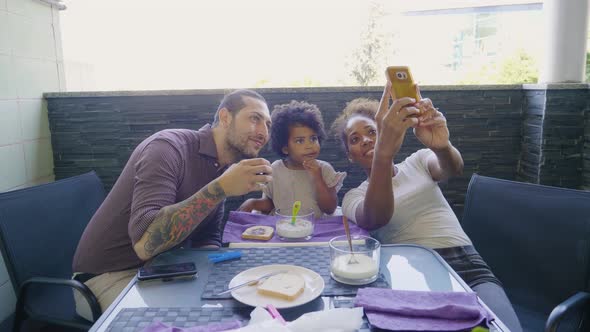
(171, 194)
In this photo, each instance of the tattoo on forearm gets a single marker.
(174, 223)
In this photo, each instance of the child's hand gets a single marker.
(262, 205)
(248, 205)
(312, 167)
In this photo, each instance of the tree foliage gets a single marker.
(368, 59)
(520, 68)
(517, 69)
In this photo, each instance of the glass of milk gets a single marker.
(360, 267)
(300, 230)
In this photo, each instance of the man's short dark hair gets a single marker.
(295, 113)
(234, 101)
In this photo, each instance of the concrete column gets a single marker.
(566, 22)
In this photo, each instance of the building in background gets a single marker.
(469, 42)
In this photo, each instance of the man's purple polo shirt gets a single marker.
(166, 168)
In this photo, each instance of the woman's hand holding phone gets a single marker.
(403, 86)
(402, 83)
(433, 132)
(431, 128)
(393, 122)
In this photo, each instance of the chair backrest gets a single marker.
(40, 226)
(535, 238)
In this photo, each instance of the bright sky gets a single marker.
(187, 44)
(199, 44)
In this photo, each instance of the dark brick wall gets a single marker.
(563, 138)
(99, 133)
(532, 136)
(488, 126)
(553, 148)
(485, 125)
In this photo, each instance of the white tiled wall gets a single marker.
(31, 63)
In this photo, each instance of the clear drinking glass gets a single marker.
(359, 267)
(300, 230)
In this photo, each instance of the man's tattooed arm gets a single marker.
(175, 222)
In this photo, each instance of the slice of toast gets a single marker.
(286, 286)
(258, 233)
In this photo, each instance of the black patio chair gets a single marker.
(39, 231)
(536, 240)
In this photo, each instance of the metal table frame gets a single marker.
(408, 267)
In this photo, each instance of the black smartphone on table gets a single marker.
(167, 272)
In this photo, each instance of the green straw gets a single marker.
(296, 207)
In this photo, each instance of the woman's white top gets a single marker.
(421, 214)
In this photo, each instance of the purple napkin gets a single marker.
(213, 327)
(399, 310)
(324, 230)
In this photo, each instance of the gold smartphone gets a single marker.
(402, 83)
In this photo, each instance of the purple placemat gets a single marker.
(400, 310)
(324, 230)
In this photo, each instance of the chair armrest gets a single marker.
(82, 288)
(576, 301)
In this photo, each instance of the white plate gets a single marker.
(314, 285)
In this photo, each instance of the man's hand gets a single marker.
(245, 176)
(176, 222)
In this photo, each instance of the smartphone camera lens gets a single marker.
(401, 75)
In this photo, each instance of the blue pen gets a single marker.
(216, 255)
(216, 258)
(223, 254)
